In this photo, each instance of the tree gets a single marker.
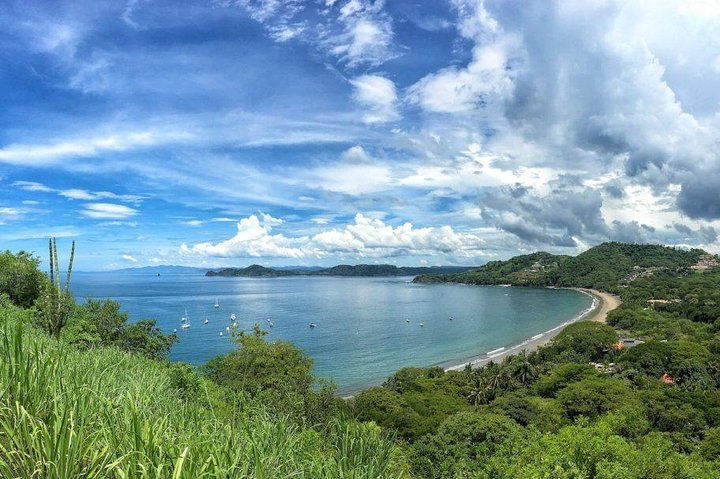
(584, 341)
(462, 441)
(144, 338)
(20, 277)
(101, 322)
(594, 396)
(276, 372)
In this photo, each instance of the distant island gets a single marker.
(257, 271)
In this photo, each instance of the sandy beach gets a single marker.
(602, 304)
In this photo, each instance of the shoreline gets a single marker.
(602, 304)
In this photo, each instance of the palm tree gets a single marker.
(479, 391)
(523, 370)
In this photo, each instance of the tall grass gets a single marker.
(104, 413)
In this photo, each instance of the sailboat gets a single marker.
(185, 320)
(207, 320)
(216, 305)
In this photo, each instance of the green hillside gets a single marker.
(364, 270)
(88, 394)
(608, 266)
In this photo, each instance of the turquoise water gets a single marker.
(362, 335)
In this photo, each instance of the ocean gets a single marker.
(366, 328)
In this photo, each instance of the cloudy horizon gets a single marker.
(287, 132)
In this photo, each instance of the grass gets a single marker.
(103, 413)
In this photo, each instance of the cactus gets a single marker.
(57, 301)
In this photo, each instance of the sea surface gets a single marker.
(362, 334)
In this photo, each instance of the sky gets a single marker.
(287, 132)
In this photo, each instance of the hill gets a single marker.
(367, 270)
(608, 266)
(252, 271)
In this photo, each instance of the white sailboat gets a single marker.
(216, 305)
(185, 320)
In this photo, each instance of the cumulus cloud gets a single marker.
(107, 211)
(365, 238)
(253, 239)
(378, 95)
(488, 77)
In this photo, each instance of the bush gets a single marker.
(20, 277)
(594, 396)
(584, 341)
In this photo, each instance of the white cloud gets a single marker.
(107, 211)
(378, 95)
(355, 174)
(366, 237)
(79, 194)
(129, 258)
(253, 239)
(46, 154)
(366, 39)
(32, 186)
(455, 90)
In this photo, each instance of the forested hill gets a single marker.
(607, 266)
(341, 270)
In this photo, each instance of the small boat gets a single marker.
(232, 317)
(220, 333)
(422, 325)
(450, 318)
(175, 330)
(407, 320)
(216, 305)
(207, 320)
(271, 324)
(312, 325)
(227, 328)
(185, 325)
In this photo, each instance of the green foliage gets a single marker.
(102, 413)
(710, 447)
(583, 341)
(562, 376)
(592, 397)
(20, 277)
(276, 373)
(461, 442)
(98, 323)
(413, 402)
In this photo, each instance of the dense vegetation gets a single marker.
(578, 407)
(339, 270)
(607, 267)
(99, 399)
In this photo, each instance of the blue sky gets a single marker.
(316, 132)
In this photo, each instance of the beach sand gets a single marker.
(603, 303)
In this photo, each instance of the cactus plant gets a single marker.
(56, 302)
